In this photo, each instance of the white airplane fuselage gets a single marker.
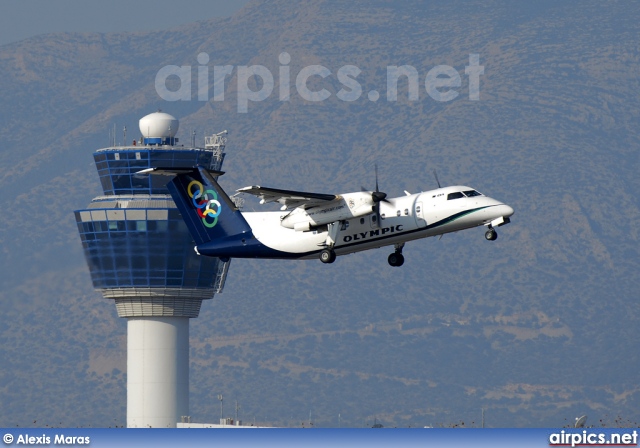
(403, 219)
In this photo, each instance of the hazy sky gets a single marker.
(20, 19)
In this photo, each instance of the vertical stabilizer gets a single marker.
(209, 213)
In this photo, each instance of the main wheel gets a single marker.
(491, 235)
(396, 259)
(327, 256)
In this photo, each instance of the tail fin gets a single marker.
(206, 209)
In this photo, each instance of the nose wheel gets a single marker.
(491, 234)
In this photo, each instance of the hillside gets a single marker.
(536, 328)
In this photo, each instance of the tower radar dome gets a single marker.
(159, 128)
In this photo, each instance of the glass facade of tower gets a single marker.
(117, 167)
(133, 237)
(141, 248)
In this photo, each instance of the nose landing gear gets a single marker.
(491, 234)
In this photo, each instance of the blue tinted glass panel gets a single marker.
(130, 256)
(122, 184)
(107, 186)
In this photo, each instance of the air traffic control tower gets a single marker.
(140, 254)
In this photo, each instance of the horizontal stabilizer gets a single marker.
(175, 171)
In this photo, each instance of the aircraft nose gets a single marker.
(508, 210)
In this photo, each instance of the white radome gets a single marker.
(159, 125)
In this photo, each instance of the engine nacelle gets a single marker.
(348, 206)
(302, 226)
(363, 210)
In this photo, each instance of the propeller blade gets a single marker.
(436, 176)
(378, 195)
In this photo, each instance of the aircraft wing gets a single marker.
(288, 198)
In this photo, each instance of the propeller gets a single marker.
(377, 197)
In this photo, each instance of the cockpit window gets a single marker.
(456, 195)
(471, 193)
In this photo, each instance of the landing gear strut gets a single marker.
(396, 259)
(328, 255)
(491, 234)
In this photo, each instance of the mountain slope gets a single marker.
(537, 328)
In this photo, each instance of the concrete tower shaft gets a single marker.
(157, 371)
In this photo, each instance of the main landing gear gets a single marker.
(328, 256)
(396, 259)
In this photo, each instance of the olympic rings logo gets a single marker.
(206, 203)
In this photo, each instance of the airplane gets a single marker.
(324, 226)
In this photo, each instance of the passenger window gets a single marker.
(398, 213)
(456, 195)
(418, 209)
(361, 220)
(406, 212)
